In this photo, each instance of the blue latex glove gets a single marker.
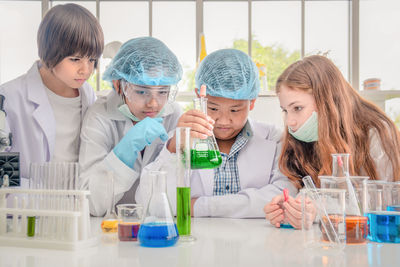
(142, 134)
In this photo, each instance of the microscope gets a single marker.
(9, 161)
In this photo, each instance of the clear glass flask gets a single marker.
(205, 153)
(183, 197)
(158, 228)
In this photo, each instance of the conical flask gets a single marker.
(158, 228)
(204, 152)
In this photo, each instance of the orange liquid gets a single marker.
(356, 228)
(109, 226)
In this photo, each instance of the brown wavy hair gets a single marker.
(344, 122)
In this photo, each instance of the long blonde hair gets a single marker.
(344, 122)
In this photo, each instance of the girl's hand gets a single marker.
(274, 212)
(201, 126)
(293, 212)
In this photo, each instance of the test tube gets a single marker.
(23, 217)
(31, 222)
(15, 216)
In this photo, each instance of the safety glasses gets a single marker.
(145, 93)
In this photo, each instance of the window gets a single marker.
(121, 21)
(380, 42)
(179, 34)
(276, 33)
(89, 5)
(327, 31)
(223, 28)
(19, 23)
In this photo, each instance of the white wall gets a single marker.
(267, 110)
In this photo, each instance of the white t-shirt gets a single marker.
(67, 113)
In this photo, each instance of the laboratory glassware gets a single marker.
(205, 153)
(356, 222)
(355, 186)
(183, 198)
(109, 223)
(383, 201)
(129, 217)
(158, 227)
(51, 213)
(328, 205)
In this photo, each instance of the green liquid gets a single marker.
(183, 203)
(31, 226)
(208, 159)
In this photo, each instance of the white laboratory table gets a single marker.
(220, 242)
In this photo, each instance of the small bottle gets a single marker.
(110, 220)
(158, 228)
(204, 152)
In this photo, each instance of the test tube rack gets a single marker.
(62, 219)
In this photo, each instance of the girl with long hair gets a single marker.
(325, 115)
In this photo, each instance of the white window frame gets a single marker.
(353, 44)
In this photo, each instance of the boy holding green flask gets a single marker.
(248, 176)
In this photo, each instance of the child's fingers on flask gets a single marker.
(195, 117)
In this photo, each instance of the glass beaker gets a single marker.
(158, 228)
(183, 198)
(129, 218)
(110, 220)
(383, 201)
(328, 205)
(340, 165)
(356, 223)
(205, 153)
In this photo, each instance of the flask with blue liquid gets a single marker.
(158, 228)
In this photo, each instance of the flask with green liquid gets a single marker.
(204, 153)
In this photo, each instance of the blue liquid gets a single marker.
(286, 225)
(393, 208)
(384, 226)
(157, 234)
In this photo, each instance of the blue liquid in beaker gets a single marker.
(384, 226)
(157, 234)
(393, 208)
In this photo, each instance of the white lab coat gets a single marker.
(31, 119)
(383, 165)
(260, 179)
(103, 127)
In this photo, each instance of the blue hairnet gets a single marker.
(144, 61)
(229, 73)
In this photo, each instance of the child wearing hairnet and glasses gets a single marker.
(248, 176)
(126, 130)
